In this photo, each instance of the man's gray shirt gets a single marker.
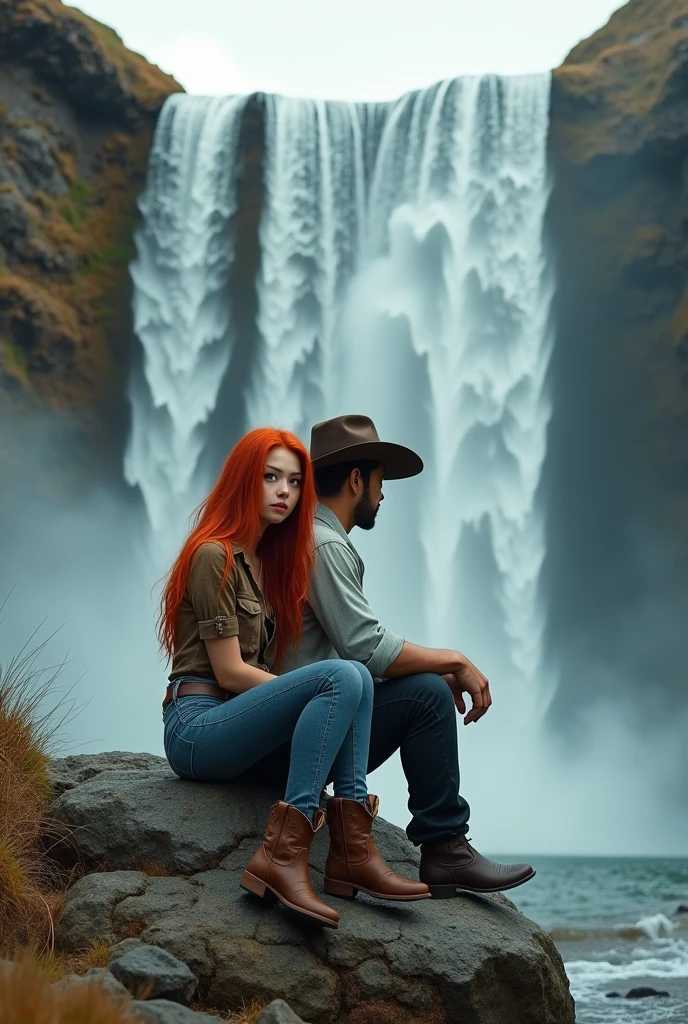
(338, 622)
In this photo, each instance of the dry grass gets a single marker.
(248, 1014)
(31, 711)
(154, 870)
(27, 997)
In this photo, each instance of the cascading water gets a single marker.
(403, 276)
(310, 241)
(181, 314)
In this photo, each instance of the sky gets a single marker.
(360, 50)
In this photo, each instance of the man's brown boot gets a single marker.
(354, 863)
(279, 867)
(454, 865)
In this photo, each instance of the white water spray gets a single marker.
(182, 317)
(403, 277)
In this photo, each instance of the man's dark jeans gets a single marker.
(417, 716)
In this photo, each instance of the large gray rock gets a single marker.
(278, 1012)
(163, 1011)
(474, 959)
(68, 772)
(157, 972)
(106, 980)
(95, 976)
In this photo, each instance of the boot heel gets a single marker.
(343, 889)
(249, 883)
(443, 892)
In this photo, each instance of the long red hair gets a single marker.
(231, 515)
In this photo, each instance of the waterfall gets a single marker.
(182, 318)
(403, 276)
(309, 243)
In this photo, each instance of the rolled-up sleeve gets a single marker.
(337, 600)
(213, 601)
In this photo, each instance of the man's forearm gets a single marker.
(413, 658)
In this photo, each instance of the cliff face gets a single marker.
(617, 471)
(77, 112)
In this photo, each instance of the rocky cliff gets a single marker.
(617, 471)
(77, 112)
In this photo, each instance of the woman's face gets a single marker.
(281, 485)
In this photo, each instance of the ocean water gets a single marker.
(617, 925)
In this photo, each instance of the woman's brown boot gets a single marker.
(279, 868)
(354, 863)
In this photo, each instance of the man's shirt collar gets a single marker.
(326, 515)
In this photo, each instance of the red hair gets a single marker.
(231, 515)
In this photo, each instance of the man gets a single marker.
(418, 689)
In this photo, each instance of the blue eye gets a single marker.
(295, 482)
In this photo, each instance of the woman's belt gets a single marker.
(196, 689)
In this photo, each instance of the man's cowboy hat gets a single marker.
(354, 437)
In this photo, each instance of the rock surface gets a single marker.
(278, 1012)
(162, 1011)
(150, 972)
(96, 975)
(174, 852)
(77, 113)
(616, 476)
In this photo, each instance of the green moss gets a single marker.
(110, 256)
(15, 359)
(74, 207)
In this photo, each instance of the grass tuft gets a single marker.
(248, 1014)
(31, 713)
(27, 997)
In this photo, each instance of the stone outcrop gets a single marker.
(77, 112)
(154, 973)
(616, 476)
(169, 857)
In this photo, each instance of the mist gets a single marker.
(75, 568)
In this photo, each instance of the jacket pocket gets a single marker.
(250, 616)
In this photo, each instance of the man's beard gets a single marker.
(365, 511)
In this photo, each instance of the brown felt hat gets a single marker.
(352, 437)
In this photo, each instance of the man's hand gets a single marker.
(469, 679)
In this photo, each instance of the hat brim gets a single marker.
(399, 462)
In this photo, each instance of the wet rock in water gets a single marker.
(644, 992)
(682, 908)
(613, 995)
(155, 972)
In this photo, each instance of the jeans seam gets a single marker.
(243, 711)
(314, 787)
(354, 760)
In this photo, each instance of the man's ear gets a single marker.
(355, 481)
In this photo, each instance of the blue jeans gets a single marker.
(416, 716)
(324, 709)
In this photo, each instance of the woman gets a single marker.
(232, 604)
